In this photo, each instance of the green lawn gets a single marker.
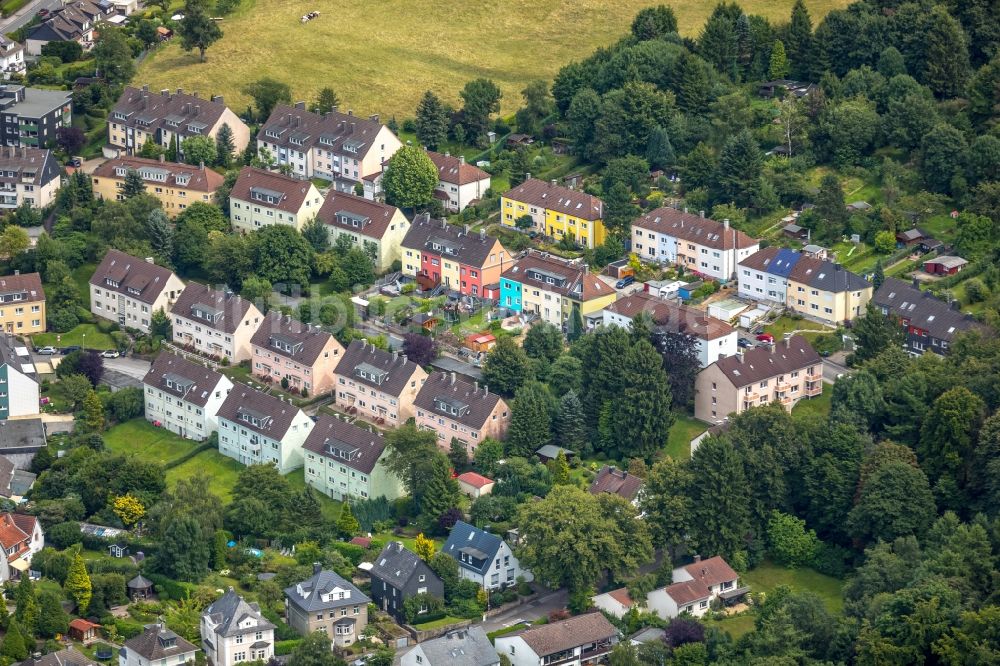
(83, 333)
(82, 275)
(815, 408)
(769, 575)
(146, 441)
(682, 432)
(443, 622)
(736, 625)
(786, 324)
(222, 470)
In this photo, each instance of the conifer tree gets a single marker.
(134, 185)
(13, 648)
(78, 583)
(439, 491)
(778, 68)
(431, 121)
(224, 146)
(799, 41)
(571, 427)
(642, 412)
(26, 604)
(347, 524)
(530, 424)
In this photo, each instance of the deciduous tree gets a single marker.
(198, 30)
(410, 178)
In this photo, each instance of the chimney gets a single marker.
(553, 182)
(916, 283)
(527, 176)
(447, 153)
(956, 305)
(218, 99)
(333, 109)
(486, 388)
(697, 558)
(395, 355)
(452, 379)
(163, 158)
(201, 165)
(197, 109)
(466, 230)
(461, 159)
(373, 117)
(195, 94)
(725, 223)
(476, 384)
(352, 127)
(165, 92)
(317, 567)
(739, 357)
(402, 356)
(482, 234)
(350, 112)
(180, 91)
(300, 105)
(145, 88)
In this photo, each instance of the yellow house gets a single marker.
(826, 291)
(552, 287)
(555, 211)
(177, 186)
(22, 304)
(369, 224)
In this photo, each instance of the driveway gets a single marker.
(539, 608)
(125, 365)
(610, 281)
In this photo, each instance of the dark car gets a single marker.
(624, 282)
(76, 162)
(743, 342)
(70, 349)
(43, 12)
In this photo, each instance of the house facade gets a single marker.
(690, 597)
(455, 409)
(377, 385)
(929, 323)
(218, 324)
(552, 288)
(260, 429)
(128, 290)
(826, 291)
(71, 22)
(261, 198)
(156, 646)
(286, 350)
(785, 372)
(437, 253)
(763, 276)
(483, 558)
(577, 641)
(234, 631)
(347, 462)
(30, 116)
(471, 645)
(327, 603)
(367, 223)
(28, 176)
(459, 184)
(699, 244)
(556, 211)
(399, 574)
(175, 185)
(19, 390)
(22, 304)
(21, 537)
(184, 397)
(11, 58)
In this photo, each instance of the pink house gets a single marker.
(460, 410)
(377, 385)
(305, 355)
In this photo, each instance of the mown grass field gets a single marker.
(381, 56)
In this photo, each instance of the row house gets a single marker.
(19, 390)
(218, 324)
(377, 385)
(368, 224)
(347, 462)
(260, 429)
(577, 641)
(329, 604)
(175, 185)
(284, 349)
(28, 176)
(261, 198)
(438, 253)
(31, 116)
(167, 118)
(698, 244)
(70, 22)
(555, 211)
(552, 288)
(22, 304)
(398, 574)
(235, 631)
(714, 338)
(127, 290)
(458, 410)
(929, 323)
(339, 147)
(184, 397)
(156, 646)
(763, 276)
(483, 558)
(21, 537)
(784, 372)
(459, 183)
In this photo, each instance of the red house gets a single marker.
(944, 265)
(437, 253)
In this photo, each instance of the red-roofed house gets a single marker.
(474, 485)
(261, 198)
(617, 482)
(616, 602)
(458, 182)
(21, 537)
(691, 597)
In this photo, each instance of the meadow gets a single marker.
(381, 56)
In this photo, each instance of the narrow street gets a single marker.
(22, 16)
(533, 610)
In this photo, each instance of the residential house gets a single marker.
(714, 573)
(615, 602)
(577, 641)
(367, 223)
(483, 558)
(910, 237)
(18, 380)
(261, 198)
(218, 324)
(469, 646)
(345, 461)
(698, 244)
(28, 176)
(945, 265)
(156, 646)
(127, 290)
(167, 119)
(22, 304)
(694, 588)
(259, 429)
(21, 537)
(459, 184)
(235, 631)
(826, 291)
(399, 574)
(66, 657)
(339, 147)
(11, 58)
(616, 481)
(929, 323)
(175, 185)
(377, 385)
(14, 483)
(31, 116)
(184, 397)
(456, 409)
(714, 338)
(784, 372)
(556, 211)
(763, 276)
(438, 253)
(474, 485)
(71, 22)
(286, 350)
(328, 603)
(552, 288)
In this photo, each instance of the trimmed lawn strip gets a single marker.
(434, 624)
(769, 575)
(83, 332)
(815, 408)
(682, 432)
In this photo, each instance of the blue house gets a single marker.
(483, 558)
(510, 294)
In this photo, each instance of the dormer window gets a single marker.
(371, 373)
(194, 129)
(121, 171)
(451, 407)
(111, 283)
(255, 419)
(133, 291)
(118, 115)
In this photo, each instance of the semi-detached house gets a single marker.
(127, 290)
(260, 429)
(175, 185)
(286, 350)
(459, 410)
(22, 304)
(827, 291)
(345, 461)
(377, 385)
(218, 324)
(555, 211)
(552, 288)
(367, 223)
(459, 183)
(184, 397)
(261, 198)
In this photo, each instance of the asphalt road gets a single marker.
(23, 16)
(533, 610)
(133, 367)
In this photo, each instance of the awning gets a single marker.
(734, 594)
(357, 300)
(20, 565)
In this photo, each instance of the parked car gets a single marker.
(46, 351)
(766, 337)
(624, 282)
(45, 12)
(75, 161)
(744, 343)
(71, 349)
(110, 353)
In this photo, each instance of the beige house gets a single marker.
(22, 304)
(218, 324)
(459, 184)
(286, 349)
(261, 198)
(827, 291)
(128, 290)
(327, 603)
(176, 185)
(456, 409)
(369, 224)
(377, 385)
(27, 176)
(784, 372)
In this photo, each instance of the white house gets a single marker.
(184, 397)
(577, 641)
(234, 631)
(763, 276)
(688, 597)
(28, 176)
(11, 58)
(483, 558)
(261, 198)
(21, 537)
(260, 429)
(19, 391)
(694, 588)
(156, 646)
(218, 324)
(459, 184)
(128, 290)
(616, 602)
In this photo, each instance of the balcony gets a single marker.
(782, 386)
(784, 398)
(752, 396)
(814, 388)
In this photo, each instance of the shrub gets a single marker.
(63, 320)
(286, 647)
(789, 541)
(105, 326)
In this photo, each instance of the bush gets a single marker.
(788, 540)
(63, 320)
(286, 647)
(832, 560)
(105, 326)
(64, 535)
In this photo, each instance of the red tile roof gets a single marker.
(676, 317)
(293, 191)
(617, 482)
(200, 179)
(621, 595)
(454, 170)
(13, 534)
(556, 637)
(687, 592)
(712, 571)
(561, 199)
(29, 284)
(474, 480)
(338, 208)
(694, 229)
(577, 283)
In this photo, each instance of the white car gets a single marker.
(110, 353)
(46, 351)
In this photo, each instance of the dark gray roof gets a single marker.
(182, 378)
(477, 543)
(472, 403)
(66, 657)
(158, 642)
(140, 582)
(468, 647)
(922, 310)
(331, 131)
(274, 416)
(393, 368)
(183, 108)
(230, 610)
(348, 444)
(762, 363)
(397, 564)
(33, 165)
(827, 276)
(289, 337)
(309, 594)
(21, 435)
(341, 209)
(231, 308)
(144, 278)
(467, 248)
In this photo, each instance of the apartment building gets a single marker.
(31, 116)
(175, 185)
(929, 323)
(784, 372)
(377, 385)
(28, 176)
(483, 557)
(459, 410)
(826, 291)
(22, 304)
(260, 429)
(556, 211)
(299, 356)
(156, 646)
(578, 641)
(167, 119)
(70, 22)
(552, 287)
(234, 631)
(218, 324)
(369, 224)
(763, 276)
(339, 147)
(261, 198)
(127, 290)
(11, 58)
(345, 461)
(327, 603)
(184, 397)
(18, 381)
(459, 184)
(699, 244)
